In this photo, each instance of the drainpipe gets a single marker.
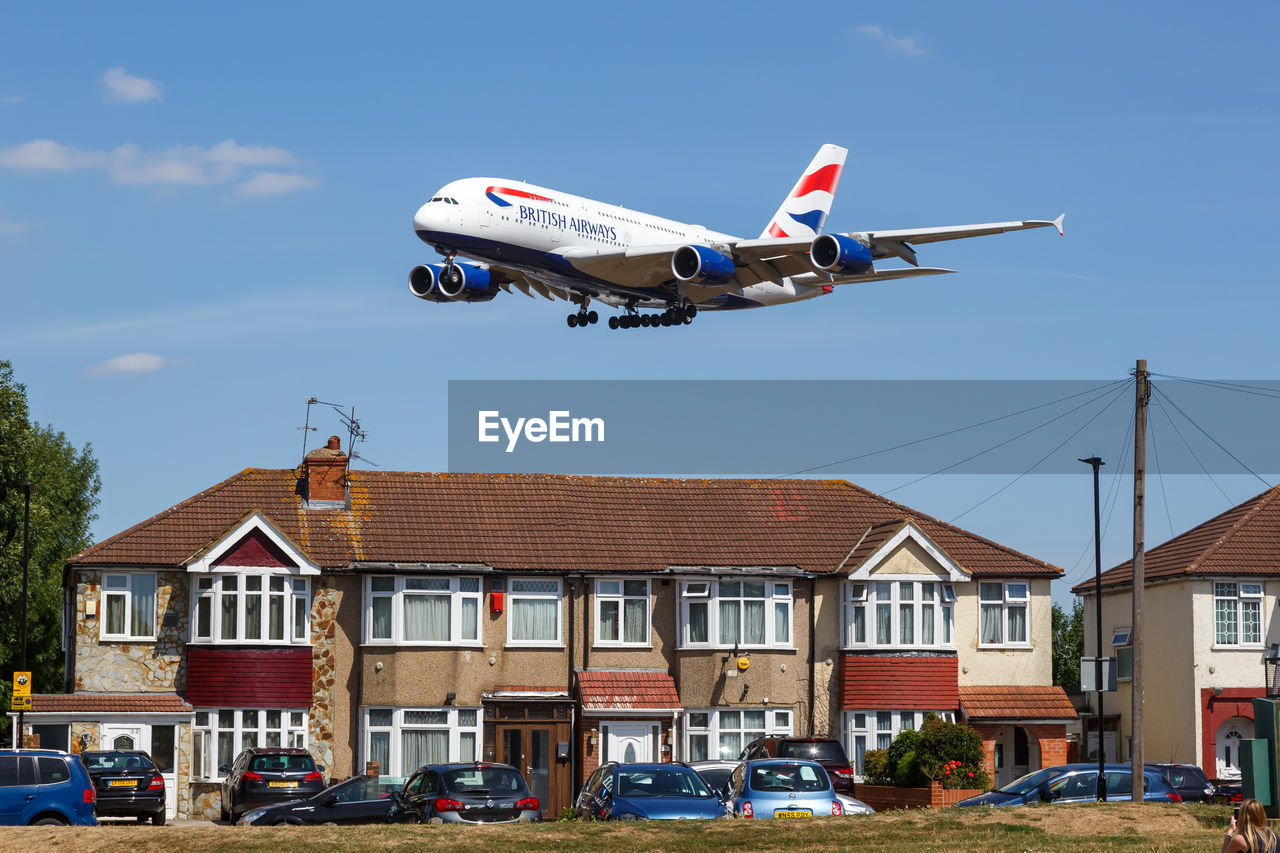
(813, 650)
(675, 735)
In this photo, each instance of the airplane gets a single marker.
(538, 240)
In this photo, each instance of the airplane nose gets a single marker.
(423, 220)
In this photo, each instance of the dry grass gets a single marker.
(1071, 829)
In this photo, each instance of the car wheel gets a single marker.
(157, 819)
(50, 821)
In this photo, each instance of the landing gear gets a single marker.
(675, 315)
(584, 318)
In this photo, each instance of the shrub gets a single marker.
(903, 761)
(952, 754)
(875, 767)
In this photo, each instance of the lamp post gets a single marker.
(28, 488)
(1096, 462)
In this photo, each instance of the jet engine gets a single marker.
(459, 283)
(701, 265)
(835, 253)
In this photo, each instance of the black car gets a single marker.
(360, 799)
(466, 793)
(266, 775)
(827, 751)
(1188, 780)
(127, 784)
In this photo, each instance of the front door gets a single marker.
(164, 753)
(531, 748)
(1230, 734)
(123, 737)
(630, 742)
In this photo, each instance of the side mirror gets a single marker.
(331, 802)
(397, 798)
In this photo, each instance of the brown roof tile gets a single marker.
(1007, 702)
(627, 691)
(1244, 540)
(157, 703)
(542, 522)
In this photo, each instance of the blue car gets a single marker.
(44, 787)
(646, 792)
(782, 788)
(1076, 783)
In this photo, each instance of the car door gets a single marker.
(362, 801)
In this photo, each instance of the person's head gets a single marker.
(1253, 823)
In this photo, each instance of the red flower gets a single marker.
(970, 774)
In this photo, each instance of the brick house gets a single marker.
(550, 622)
(1215, 590)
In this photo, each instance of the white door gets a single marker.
(123, 737)
(1227, 746)
(630, 742)
(151, 740)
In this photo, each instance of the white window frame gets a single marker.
(1008, 603)
(514, 595)
(605, 593)
(126, 592)
(864, 596)
(1244, 596)
(209, 723)
(868, 729)
(707, 724)
(401, 589)
(461, 722)
(710, 593)
(211, 588)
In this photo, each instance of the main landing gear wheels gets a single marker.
(677, 315)
(586, 318)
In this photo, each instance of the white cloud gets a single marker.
(267, 184)
(181, 165)
(12, 99)
(136, 362)
(122, 86)
(902, 44)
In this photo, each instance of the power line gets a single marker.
(1163, 494)
(1255, 390)
(1113, 493)
(1187, 445)
(956, 430)
(1214, 440)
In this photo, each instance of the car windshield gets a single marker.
(116, 761)
(818, 750)
(663, 782)
(1028, 783)
(282, 763)
(716, 777)
(484, 780)
(789, 777)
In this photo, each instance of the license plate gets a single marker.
(794, 813)
(282, 784)
(121, 783)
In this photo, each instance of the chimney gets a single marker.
(324, 474)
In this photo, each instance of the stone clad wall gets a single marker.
(111, 666)
(324, 615)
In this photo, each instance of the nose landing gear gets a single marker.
(584, 318)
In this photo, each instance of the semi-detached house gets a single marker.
(550, 622)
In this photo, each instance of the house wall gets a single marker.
(1033, 665)
(113, 666)
(826, 672)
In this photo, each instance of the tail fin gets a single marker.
(805, 211)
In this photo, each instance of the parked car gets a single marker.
(1231, 795)
(1188, 780)
(44, 787)
(266, 775)
(1076, 783)
(128, 784)
(465, 793)
(646, 792)
(360, 799)
(782, 788)
(853, 806)
(715, 773)
(827, 751)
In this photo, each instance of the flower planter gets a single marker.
(887, 797)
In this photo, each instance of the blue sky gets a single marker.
(205, 212)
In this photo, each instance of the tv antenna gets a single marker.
(355, 432)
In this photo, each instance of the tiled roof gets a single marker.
(137, 703)
(627, 691)
(1008, 702)
(899, 682)
(542, 522)
(1244, 540)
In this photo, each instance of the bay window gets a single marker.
(251, 607)
(622, 612)
(403, 739)
(1237, 614)
(724, 734)
(1003, 611)
(899, 614)
(876, 730)
(735, 613)
(129, 606)
(417, 610)
(533, 617)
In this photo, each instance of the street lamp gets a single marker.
(28, 488)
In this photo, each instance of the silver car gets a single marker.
(781, 788)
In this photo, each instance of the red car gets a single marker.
(826, 751)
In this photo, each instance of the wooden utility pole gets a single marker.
(1142, 395)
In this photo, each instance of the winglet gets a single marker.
(1057, 223)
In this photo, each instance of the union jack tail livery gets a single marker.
(805, 211)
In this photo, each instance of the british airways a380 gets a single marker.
(496, 233)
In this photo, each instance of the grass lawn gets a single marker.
(1072, 829)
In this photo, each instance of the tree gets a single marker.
(62, 509)
(1068, 643)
